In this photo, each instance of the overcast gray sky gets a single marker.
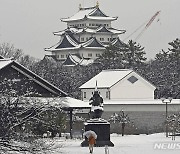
(28, 24)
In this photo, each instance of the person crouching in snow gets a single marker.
(91, 141)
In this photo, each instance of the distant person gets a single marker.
(92, 142)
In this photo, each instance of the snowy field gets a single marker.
(131, 144)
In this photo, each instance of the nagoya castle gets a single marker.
(86, 37)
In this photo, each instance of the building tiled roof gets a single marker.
(73, 60)
(75, 30)
(93, 43)
(67, 42)
(118, 43)
(7, 62)
(90, 13)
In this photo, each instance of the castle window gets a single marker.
(82, 38)
(101, 39)
(132, 79)
(89, 54)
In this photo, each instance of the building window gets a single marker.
(62, 56)
(101, 39)
(84, 94)
(57, 56)
(87, 38)
(89, 24)
(89, 54)
(107, 94)
(98, 55)
(82, 38)
(132, 79)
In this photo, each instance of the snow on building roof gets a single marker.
(73, 60)
(93, 43)
(72, 30)
(90, 13)
(66, 42)
(70, 102)
(75, 30)
(60, 102)
(118, 43)
(42, 82)
(139, 102)
(106, 78)
(116, 31)
(4, 63)
(103, 29)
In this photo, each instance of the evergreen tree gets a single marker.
(134, 56)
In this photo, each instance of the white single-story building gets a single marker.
(124, 84)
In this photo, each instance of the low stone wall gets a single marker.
(140, 122)
(144, 118)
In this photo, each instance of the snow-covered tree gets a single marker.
(120, 118)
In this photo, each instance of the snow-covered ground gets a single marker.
(130, 144)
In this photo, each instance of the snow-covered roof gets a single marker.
(66, 43)
(60, 102)
(42, 82)
(93, 43)
(70, 102)
(72, 30)
(91, 13)
(4, 62)
(106, 78)
(139, 102)
(100, 29)
(73, 60)
(69, 43)
(118, 43)
(116, 31)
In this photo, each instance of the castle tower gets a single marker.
(88, 33)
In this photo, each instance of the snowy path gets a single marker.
(131, 144)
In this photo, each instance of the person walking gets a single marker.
(92, 142)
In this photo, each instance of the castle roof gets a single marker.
(100, 29)
(118, 43)
(67, 43)
(93, 43)
(74, 59)
(93, 13)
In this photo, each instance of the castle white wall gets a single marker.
(89, 23)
